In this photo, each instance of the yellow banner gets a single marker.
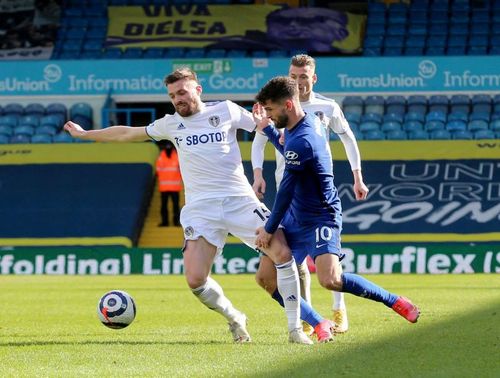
(263, 27)
(189, 25)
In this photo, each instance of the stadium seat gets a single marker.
(479, 116)
(413, 51)
(396, 135)
(415, 116)
(481, 103)
(54, 120)
(35, 109)
(353, 104)
(371, 117)
(374, 105)
(412, 126)
(132, 53)
(390, 126)
(111, 54)
(57, 108)
(496, 104)
(460, 103)
(4, 139)
(81, 109)
(353, 117)
(395, 104)
(418, 135)
(438, 103)
(435, 50)
(153, 53)
(13, 109)
(6, 130)
(374, 135)
(440, 135)
(234, 53)
(484, 134)
(456, 125)
(29, 120)
(41, 138)
(62, 137)
(369, 126)
(434, 125)
(495, 125)
(436, 116)
(20, 139)
(458, 116)
(9, 120)
(47, 130)
(24, 129)
(195, 53)
(175, 52)
(393, 117)
(417, 104)
(462, 134)
(477, 50)
(477, 124)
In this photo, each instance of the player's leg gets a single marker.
(198, 259)
(330, 276)
(266, 278)
(244, 215)
(305, 292)
(176, 208)
(340, 321)
(205, 234)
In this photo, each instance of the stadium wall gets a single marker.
(80, 194)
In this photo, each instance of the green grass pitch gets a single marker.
(49, 328)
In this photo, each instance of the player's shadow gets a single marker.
(467, 346)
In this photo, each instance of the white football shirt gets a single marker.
(331, 117)
(209, 154)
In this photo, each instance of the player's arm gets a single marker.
(109, 134)
(340, 126)
(258, 147)
(282, 201)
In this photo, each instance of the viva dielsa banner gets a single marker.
(267, 27)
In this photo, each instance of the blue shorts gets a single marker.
(313, 239)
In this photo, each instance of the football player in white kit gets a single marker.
(302, 69)
(219, 198)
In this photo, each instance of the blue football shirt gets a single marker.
(307, 189)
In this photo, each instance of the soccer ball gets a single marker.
(116, 309)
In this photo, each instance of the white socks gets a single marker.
(305, 281)
(212, 296)
(288, 287)
(338, 301)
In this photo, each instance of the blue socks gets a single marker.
(357, 285)
(307, 313)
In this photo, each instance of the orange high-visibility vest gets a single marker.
(169, 173)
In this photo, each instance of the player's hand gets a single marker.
(282, 138)
(74, 129)
(263, 239)
(259, 187)
(360, 190)
(260, 117)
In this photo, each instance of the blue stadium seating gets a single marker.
(34, 109)
(13, 109)
(41, 138)
(484, 134)
(396, 135)
(440, 135)
(62, 137)
(374, 135)
(20, 139)
(462, 134)
(418, 135)
(6, 130)
(4, 139)
(10, 120)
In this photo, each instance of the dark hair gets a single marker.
(277, 89)
(302, 60)
(180, 74)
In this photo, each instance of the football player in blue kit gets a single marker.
(307, 204)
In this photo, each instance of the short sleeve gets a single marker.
(157, 130)
(240, 117)
(338, 123)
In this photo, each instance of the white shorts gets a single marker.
(214, 219)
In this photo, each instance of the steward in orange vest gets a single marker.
(169, 182)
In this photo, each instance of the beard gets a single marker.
(184, 109)
(281, 122)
